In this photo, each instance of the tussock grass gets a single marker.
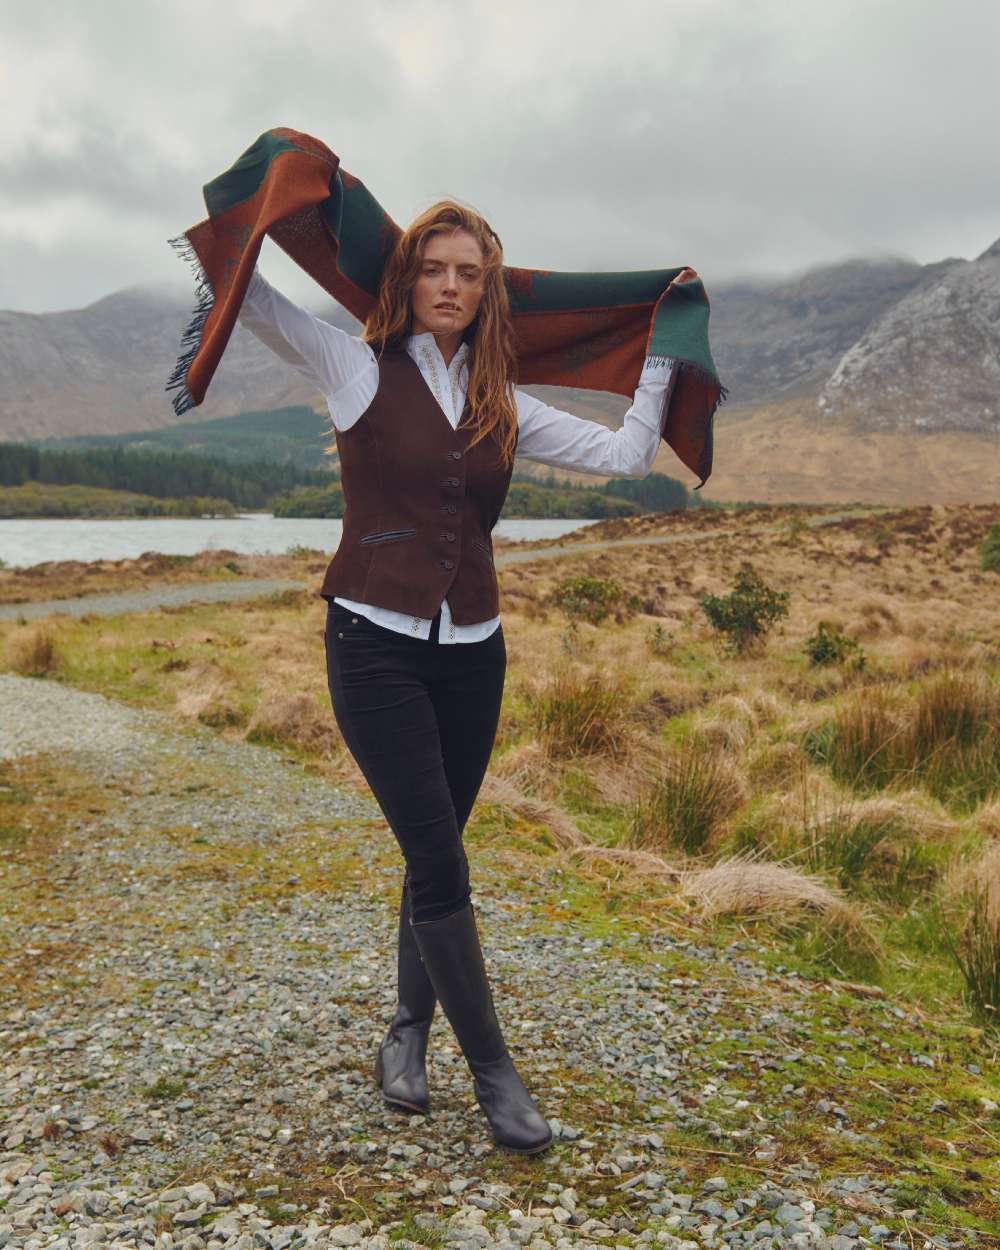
(774, 765)
(688, 802)
(987, 818)
(946, 739)
(975, 948)
(294, 719)
(510, 794)
(34, 651)
(892, 848)
(748, 886)
(581, 711)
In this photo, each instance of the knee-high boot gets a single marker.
(454, 961)
(400, 1064)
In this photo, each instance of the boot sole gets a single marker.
(526, 1150)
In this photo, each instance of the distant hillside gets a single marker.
(841, 351)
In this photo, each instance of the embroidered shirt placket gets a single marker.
(453, 372)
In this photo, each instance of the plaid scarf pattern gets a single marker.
(595, 331)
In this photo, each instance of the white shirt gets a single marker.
(345, 369)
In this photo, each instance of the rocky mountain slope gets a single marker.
(931, 361)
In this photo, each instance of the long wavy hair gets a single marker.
(491, 361)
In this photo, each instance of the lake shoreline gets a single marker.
(27, 543)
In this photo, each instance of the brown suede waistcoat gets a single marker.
(419, 505)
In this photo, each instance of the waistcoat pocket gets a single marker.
(387, 536)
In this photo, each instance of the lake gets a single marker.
(23, 543)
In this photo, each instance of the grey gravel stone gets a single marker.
(258, 1015)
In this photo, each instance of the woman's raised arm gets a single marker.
(558, 438)
(340, 364)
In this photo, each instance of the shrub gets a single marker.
(989, 551)
(592, 598)
(661, 641)
(827, 646)
(746, 615)
(794, 527)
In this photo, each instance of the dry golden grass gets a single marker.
(980, 873)
(580, 710)
(986, 818)
(602, 700)
(744, 886)
(296, 719)
(775, 765)
(507, 792)
(828, 460)
(34, 650)
(924, 819)
(64, 579)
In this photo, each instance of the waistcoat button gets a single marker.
(452, 507)
(453, 481)
(456, 455)
(448, 564)
(449, 535)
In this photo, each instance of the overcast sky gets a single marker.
(743, 137)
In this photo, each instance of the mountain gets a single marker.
(786, 337)
(929, 361)
(102, 369)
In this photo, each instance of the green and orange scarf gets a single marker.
(588, 330)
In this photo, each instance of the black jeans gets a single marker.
(420, 719)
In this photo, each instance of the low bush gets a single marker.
(989, 551)
(828, 646)
(745, 616)
(594, 598)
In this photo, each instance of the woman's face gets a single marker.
(450, 284)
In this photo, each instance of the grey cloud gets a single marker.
(744, 138)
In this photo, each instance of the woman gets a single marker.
(427, 421)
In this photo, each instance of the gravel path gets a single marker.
(196, 979)
(231, 592)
